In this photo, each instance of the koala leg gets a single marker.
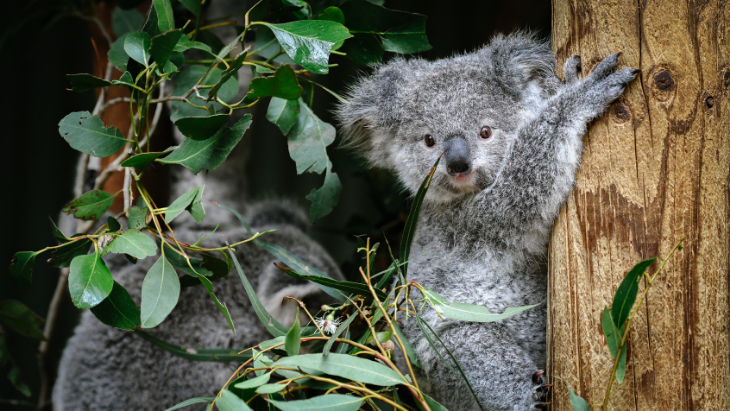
(501, 373)
(571, 69)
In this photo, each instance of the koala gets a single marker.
(511, 134)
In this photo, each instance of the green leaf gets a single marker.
(125, 80)
(399, 31)
(308, 141)
(435, 406)
(181, 203)
(113, 224)
(87, 133)
(346, 286)
(137, 218)
(19, 318)
(201, 128)
(63, 256)
(578, 403)
(332, 14)
(274, 327)
(137, 46)
(293, 342)
(621, 366)
(165, 18)
(254, 382)
(189, 78)
(304, 12)
(21, 267)
(364, 49)
(208, 154)
(151, 25)
(410, 228)
(57, 233)
(336, 334)
(162, 45)
(270, 388)
(143, 160)
(117, 56)
(283, 113)
(330, 402)
(325, 198)
(283, 84)
(160, 292)
(134, 243)
(89, 281)
(196, 207)
(227, 73)
(215, 355)
(124, 21)
(185, 43)
(118, 310)
(309, 42)
(410, 351)
(468, 312)
(229, 401)
(90, 206)
(613, 335)
(17, 382)
(345, 366)
(626, 292)
(84, 81)
(192, 5)
(192, 400)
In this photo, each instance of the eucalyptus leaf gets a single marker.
(336, 334)
(283, 113)
(309, 42)
(89, 280)
(21, 267)
(143, 160)
(151, 25)
(133, 243)
(626, 292)
(330, 402)
(124, 80)
(364, 48)
(283, 84)
(185, 43)
(270, 388)
(410, 228)
(124, 21)
(229, 401)
(137, 46)
(345, 366)
(227, 73)
(325, 198)
(254, 382)
(19, 318)
(308, 141)
(63, 255)
(612, 334)
(332, 14)
(160, 292)
(468, 312)
(137, 218)
(87, 133)
(113, 224)
(194, 354)
(180, 204)
(346, 286)
(84, 82)
(410, 351)
(293, 342)
(90, 206)
(162, 45)
(578, 403)
(210, 153)
(118, 310)
(192, 5)
(621, 366)
(117, 56)
(192, 400)
(201, 128)
(165, 18)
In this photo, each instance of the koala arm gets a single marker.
(539, 170)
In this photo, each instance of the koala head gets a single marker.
(408, 112)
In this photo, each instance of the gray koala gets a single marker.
(512, 136)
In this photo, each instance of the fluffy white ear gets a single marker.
(524, 65)
(373, 111)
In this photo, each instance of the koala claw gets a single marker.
(541, 406)
(537, 377)
(540, 392)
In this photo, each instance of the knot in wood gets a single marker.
(709, 102)
(663, 80)
(621, 113)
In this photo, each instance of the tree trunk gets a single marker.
(655, 167)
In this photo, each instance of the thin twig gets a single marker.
(112, 102)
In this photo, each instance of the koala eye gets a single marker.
(485, 132)
(429, 140)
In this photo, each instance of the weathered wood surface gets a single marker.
(655, 167)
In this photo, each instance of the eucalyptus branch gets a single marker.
(112, 102)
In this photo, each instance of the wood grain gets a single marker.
(656, 166)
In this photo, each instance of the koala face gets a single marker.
(468, 107)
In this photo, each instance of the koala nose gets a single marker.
(457, 157)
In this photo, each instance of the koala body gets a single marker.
(512, 136)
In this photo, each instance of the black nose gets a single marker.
(458, 159)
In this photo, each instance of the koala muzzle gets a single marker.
(458, 158)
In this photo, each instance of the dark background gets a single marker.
(38, 165)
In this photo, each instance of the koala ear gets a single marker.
(373, 111)
(523, 65)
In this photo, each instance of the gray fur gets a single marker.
(485, 238)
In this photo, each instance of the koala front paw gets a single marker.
(602, 87)
(540, 391)
(570, 70)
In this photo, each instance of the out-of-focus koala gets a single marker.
(512, 134)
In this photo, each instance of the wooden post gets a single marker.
(655, 167)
